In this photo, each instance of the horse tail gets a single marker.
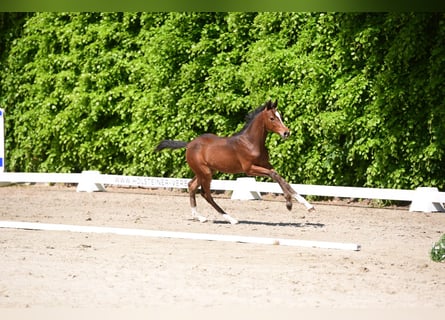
(171, 144)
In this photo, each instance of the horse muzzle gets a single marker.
(285, 134)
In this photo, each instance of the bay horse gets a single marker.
(244, 152)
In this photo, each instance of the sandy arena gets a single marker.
(64, 269)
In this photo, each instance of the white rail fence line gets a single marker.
(180, 235)
(422, 199)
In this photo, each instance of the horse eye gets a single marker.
(272, 118)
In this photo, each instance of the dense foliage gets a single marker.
(438, 250)
(363, 93)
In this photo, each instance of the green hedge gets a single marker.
(363, 93)
(437, 252)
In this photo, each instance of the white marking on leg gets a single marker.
(197, 216)
(302, 200)
(230, 219)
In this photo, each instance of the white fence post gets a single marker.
(89, 182)
(246, 189)
(424, 200)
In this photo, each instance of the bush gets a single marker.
(438, 251)
(362, 93)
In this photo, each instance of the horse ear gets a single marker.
(274, 105)
(269, 105)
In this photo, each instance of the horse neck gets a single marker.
(256, 132)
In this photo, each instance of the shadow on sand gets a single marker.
(275, 224)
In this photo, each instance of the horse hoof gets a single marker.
(230, 219)
(200, 219)
(289, 205)
(311, 209)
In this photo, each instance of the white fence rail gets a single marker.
(179, 235)
(422, 199)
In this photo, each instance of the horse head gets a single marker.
(273, 121)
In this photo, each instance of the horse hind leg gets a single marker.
(193, 187)
(205, 192)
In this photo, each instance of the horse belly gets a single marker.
(223, 160)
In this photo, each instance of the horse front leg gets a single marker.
(288, 191)
(284, 185)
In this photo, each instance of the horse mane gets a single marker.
(249, 118)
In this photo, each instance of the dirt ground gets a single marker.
(64, 269)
